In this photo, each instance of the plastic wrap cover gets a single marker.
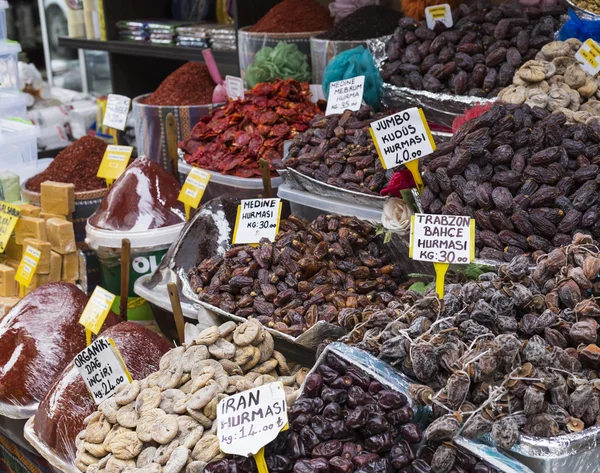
(322, 51)
(61, 413)
(38, 338)
(439, 108)
(494, 457)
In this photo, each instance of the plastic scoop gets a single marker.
(220, 92)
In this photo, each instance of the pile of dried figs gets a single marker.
(339, 150)
(527, 177)
(333, 269)
(510, 353)
(478, 56)
(556, 82)
(166, 421)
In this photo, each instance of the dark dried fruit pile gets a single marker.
(529, 180)
(236, 136)
(339, 150)
(518, 347)
(332, 269)
(345, 421)
(477, 56)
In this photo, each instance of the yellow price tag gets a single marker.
(114, 162)
(97, 309)
(9, 214)
(193, 189)
(28, 265)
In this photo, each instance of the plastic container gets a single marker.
(310, 206)
(18, 145)
(150, 125)
(322, 51)
(13, 104)
(3, 30)
(9, 65)
(230, 186)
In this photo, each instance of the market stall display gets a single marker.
(61, 414)
(167, 420)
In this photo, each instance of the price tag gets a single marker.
(114, 162)
(588, 56)
(235, 87)
(441, 13)
(345, 94)
(402, 137)
(256, 219)
(27, 266)
(193, 188)
(96, 310)
(249, 420)
(9, 214)
(117, 108)
(102, 368)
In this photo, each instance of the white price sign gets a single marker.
(117, 108)
(249, 420)
(346, 94)
(442, 238)
(441, 13)
(256, 219)
(102, 368)
(235, 87)
(588, 57)
(402, 137)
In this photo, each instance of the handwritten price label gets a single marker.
(114, 162)
(441, 13)
(97, 309)
(9, 214)
(249, 420)
(442, 238)
(102, 368)
(27, 266)
(257, 219)
(345, 94)
(235, 87)
(193, 188)
(117, 108)
(588, 56)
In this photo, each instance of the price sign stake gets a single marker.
(9, 214)
(193, 189)
(249, 420)
(102, 368)
(27, 267)
(441, 13)
(96, 311)
(114, 162)
(588, 56)
(442, 240)
(256, 219)
(235, 87)
(346, 94)
(117, 108)
(403, 138)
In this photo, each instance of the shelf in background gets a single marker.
(149, 50)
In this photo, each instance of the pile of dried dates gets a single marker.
(555, 81)
(478, 56)
(333, 269)
(165, 423)
(529, 179)
(339, 150)
(510, 353)
(236, 136)
(345, 421)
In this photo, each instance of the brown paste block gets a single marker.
(58, 197)
(30, 210)
(7, 303)
(38, 280)
(13, 250)
(7, 281)
(56, 261)
(61, 235)
(46, 216)
(70, 267)
(44, 248)
(30, 227)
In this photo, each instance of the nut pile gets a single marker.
(345, 421)
(165, 423)
(555, 81)
(339, 150)
(511, 352)
(478, 56)
(528, 179)
(332, 269)
(589, 5)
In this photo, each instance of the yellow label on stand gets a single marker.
(97, 309)
(27, 266)
(114, 162)
(9, 214)
(194, 187)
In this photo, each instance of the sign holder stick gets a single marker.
(266, 177)
(440, 273)
(88, 337)
(171, 132)
(413, 167)
(125, 263)
(177, 312)
(261, 464)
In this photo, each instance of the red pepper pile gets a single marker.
(236, 136)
